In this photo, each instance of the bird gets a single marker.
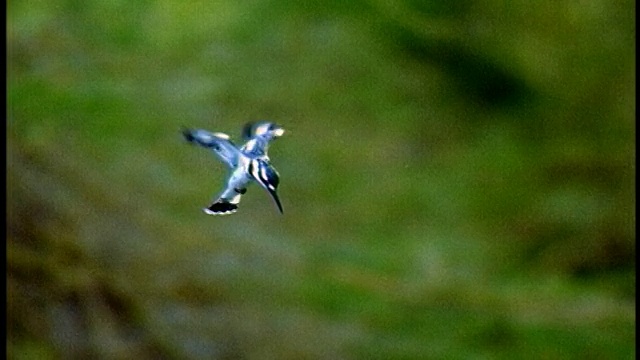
(247, 164)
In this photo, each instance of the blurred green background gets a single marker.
(458, 180)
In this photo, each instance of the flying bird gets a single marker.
(247, 164)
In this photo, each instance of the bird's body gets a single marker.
(247, 164)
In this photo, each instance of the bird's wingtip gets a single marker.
(187, 133)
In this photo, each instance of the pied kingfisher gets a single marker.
(248, 163)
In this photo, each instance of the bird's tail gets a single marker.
(221, 207)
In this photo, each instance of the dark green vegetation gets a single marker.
(457, 180)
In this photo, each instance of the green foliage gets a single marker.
(457, 180)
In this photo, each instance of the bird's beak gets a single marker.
(278, 132)
(276, 199)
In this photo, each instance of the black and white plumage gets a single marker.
(248, 163)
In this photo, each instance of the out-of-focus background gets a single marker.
(457, 180)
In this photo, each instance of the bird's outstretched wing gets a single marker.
(218, 143)
(261, 128)
(258, 135)
(249, 130)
